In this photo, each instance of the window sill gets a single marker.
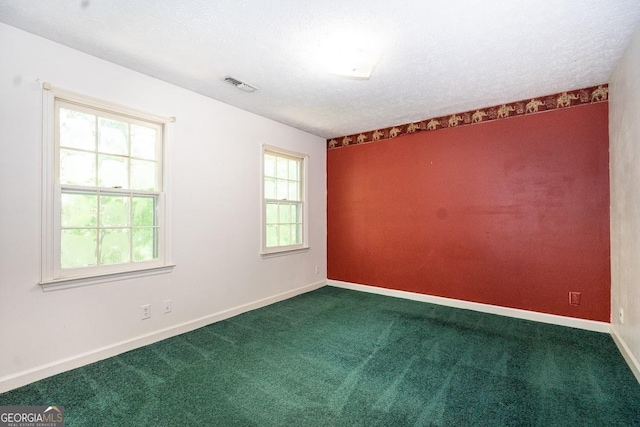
(284, 252)
(74, 282)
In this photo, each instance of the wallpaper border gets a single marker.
(589, 95)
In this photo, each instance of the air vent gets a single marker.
(240, 85)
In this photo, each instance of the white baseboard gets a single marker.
(571, 322)
(626, 353)
(22, 378)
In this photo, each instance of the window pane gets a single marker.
(272, 236)
(109, 171)
(269, 188)
(293, 169)
(78, 248)
(144, 211)
(269, 165)
(295, 214)
(115, 246)
(143, 175)
(285, 213)
(285, 234)
(79, 210)
(143, 142)
(144, 244)
(77, 168)
(114, 211)
(113, 136)
(294, 194)
(296, 234)
(282, 190)
(282, 168)
(77, 130)
(272, 213)
(113, 172)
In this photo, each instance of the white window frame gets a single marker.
(53, 277)
(304, 162)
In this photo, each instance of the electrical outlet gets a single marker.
(574, 298)
(167, 306)
(317, 270)
(145, 311)
(621, 315)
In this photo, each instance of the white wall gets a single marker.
(624, 130)
(215, 183)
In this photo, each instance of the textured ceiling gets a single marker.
(437, 57)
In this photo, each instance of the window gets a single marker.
(284, 210)
(104, 186)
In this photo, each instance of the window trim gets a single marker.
(266, 252)
(51, 275)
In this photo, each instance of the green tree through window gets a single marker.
(109, 170)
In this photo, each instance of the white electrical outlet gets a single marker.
(145, 311)
(621, 315)
(167, 306)
(317, 270)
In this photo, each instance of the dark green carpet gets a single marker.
(341, 358)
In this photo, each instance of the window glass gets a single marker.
(110, 182)
(283, 201)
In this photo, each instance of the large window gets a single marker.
(283, 201)
(104, 190)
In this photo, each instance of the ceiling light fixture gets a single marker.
(354, 63)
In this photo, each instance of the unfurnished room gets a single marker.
(336, 213)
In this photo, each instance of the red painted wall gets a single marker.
(512, 212)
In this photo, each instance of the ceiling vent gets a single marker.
(240, 85)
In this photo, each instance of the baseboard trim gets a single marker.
(571, 322)
(626, 353)
(25, 377)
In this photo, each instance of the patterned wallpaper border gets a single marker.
(567, 99)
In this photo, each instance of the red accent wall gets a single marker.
(511, 212)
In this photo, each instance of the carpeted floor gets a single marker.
(335, 357)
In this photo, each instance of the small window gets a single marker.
(104, 193)
(284, 207)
